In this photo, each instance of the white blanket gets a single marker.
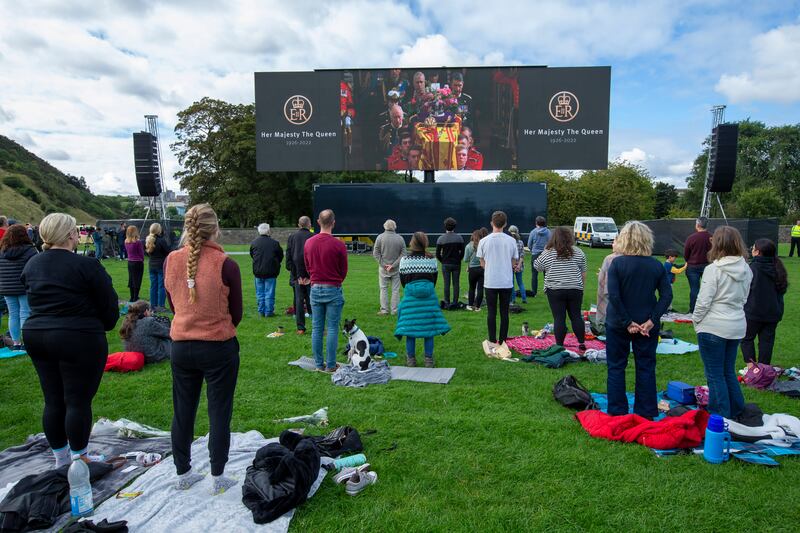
(162, 508)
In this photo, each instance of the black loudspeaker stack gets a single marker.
(145, 159)
(722, 160)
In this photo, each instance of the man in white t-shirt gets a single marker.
(499, 255)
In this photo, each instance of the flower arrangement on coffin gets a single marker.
(441, 107)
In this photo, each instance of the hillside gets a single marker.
(30, 187)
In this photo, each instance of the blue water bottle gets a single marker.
(717, 447)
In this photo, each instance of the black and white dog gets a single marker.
(358, 354)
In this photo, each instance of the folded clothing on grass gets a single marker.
(684, 431)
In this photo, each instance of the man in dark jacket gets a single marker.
(267, 256)
(695, 251)
(450, 252)
(296, 264)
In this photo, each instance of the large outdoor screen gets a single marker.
(474, 118)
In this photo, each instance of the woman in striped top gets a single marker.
(419, 314)
(564, 267)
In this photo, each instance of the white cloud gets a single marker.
(774, 75)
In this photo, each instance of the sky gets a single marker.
(77, 78)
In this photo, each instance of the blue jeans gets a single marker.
(326, 311)
(719, 360)
(618, 347)
(693, 276)
(521, 286)
(98, 250)
(265, 295)
(411, 346)
(158, 294)
(18, 313)
(534, 274)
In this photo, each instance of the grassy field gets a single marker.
(491, 451)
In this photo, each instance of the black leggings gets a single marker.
(135, 273)
(70, 366)
(475, 297)
(492, 295)
(565, 302)
(765, 331)
(218, 364)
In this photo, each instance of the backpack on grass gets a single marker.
(569, 392)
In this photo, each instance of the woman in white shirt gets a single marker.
(719, 319)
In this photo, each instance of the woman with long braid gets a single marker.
(204, 289)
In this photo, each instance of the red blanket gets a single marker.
(525, 345)
(125, 362)
(685, 431)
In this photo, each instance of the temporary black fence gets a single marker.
(673, 233)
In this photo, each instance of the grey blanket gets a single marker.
(378, 373)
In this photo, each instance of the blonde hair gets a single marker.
(55, 228)
(200, 225)
(132, 234)
(634, 238)
(150, 242)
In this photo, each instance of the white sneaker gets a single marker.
(347, 473)
(360, 481)
(470, 308)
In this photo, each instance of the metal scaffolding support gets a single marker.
(160, 203)
(717, 118)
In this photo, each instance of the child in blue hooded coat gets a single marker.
(419, 314)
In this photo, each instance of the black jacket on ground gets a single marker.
(267, 256)
(69, 291)
(36, 501)
(159, 253)
(765, 301)
(280, 478)
(12, 261)
(295, 261)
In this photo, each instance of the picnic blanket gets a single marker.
(758, 453)
(525, 345)
(107, 438)
(672, 346)
(378, 373)
(423, 375)
(162, 508)
(8, 353)
(678, 318)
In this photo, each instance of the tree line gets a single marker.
(216, 148)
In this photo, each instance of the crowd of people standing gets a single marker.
(63, 304)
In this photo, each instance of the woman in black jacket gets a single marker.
(764, 307)
(73, 304)
(16, 249)
(158, 249)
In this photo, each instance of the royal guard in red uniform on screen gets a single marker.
(346, 95)
(475, 158)
(399, 158)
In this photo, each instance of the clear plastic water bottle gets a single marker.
(80, 488)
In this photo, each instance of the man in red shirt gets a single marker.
(474, 157)
(695, 252)
(326, 261)
(399, 158)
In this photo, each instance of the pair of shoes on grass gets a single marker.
(412, 361)
(328, 370)
(356, 479)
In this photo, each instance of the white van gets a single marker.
(595, 231)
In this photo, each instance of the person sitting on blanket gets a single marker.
(145, 333)
(419, 313)
(633, 318)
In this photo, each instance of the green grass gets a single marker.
(491, 451)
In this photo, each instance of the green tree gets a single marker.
(217, 151)
(623, 191)
(666, 196)
(760, 202)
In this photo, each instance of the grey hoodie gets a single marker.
(720, 303)
(537, 240)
